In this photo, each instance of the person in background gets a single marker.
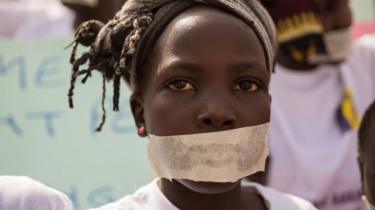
(42, 19)
(101, 10)
(24, 193)
(366, 157)
(35, 19)
(322, 86)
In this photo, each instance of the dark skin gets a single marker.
(369, 171)
(206, 73)
(368, 165)
(104, 11)
(334, 15)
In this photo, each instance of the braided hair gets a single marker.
(119, 48)
(105, 53)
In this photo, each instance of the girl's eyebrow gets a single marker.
(180, 65)
(191, 67)
(250, 66)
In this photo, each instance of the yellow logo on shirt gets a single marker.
(348, 110)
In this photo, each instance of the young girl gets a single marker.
(199, 71)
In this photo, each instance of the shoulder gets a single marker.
(136, 201)
(367, 42)
(25, 193)
(363, 50)
(282, 201)
(359, 72)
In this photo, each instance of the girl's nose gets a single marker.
(217, 115)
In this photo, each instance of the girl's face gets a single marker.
(206, 73)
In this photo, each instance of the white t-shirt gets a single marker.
(150, 197)
(23, 193)
(311, 156)
(35, 19)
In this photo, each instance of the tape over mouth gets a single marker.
(224, 156)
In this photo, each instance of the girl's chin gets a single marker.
(208, 187)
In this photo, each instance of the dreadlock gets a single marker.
(99, 128)
(119, 48)
(112, 65)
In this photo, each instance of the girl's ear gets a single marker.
(137, 107)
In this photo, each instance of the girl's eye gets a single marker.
(246, 85)
(181, 85)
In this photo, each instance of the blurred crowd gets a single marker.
(39, 19)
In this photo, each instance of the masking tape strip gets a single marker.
(224, 156)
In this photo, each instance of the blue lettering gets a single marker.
(121, 123)
(101, 196)
(73, 195)
(48, 118)
(94, 119)
(12, 124)
(14, 62)
(47, 73)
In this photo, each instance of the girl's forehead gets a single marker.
(202, 38)
(201, 14)
(205, 21)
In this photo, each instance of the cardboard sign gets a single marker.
(42, 138)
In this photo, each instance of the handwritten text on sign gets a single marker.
(42, 138)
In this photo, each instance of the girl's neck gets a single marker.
(184, 198)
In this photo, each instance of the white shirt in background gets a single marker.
(35, 19)
(23, 193)
(311, 156)
(150, 197)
